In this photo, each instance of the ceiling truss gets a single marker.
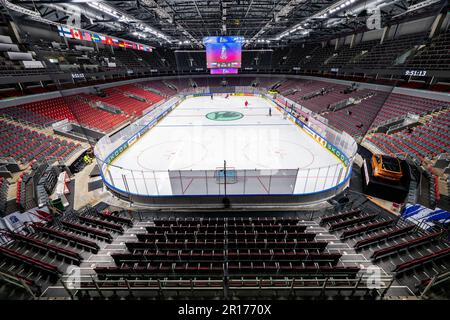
(186, 22)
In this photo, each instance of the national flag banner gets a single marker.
(109, 41)
(87, 36)
(95, 37)
(64, 32)
(76, 34)
(72, 33)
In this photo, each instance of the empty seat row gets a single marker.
(116, 218)
(102, 223)
(223, 221)
(351, 222)
(61, 252)
(340, 216)
(216, 269)
(417, 262)
(100, 234)
(66, 237)
(29, 262)
(405, 245)
(220, 244)
(257, 236)
(228, 227)
(292, 255)
(366, 228)
(384, 236)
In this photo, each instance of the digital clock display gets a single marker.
(416, 73)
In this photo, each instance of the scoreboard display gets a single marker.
(223, 52)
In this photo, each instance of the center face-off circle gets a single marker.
(224, 115)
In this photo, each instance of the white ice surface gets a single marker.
(186, 140)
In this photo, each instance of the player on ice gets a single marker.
(246, 103)
(270, 112)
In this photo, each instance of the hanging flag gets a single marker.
(115, 42)
(76, 34)
(64, 32)
(109, 41)
(87, 36)
(95, 37)
(99, 38)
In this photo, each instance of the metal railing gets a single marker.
(90, 284)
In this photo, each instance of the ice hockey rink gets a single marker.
(201, 133)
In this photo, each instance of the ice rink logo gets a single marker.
(73, 278)
(224, 115)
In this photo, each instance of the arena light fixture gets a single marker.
(164, 15)
(105, 9)
(122, 17)
(334, 8)
(417, 6)
(283, 12)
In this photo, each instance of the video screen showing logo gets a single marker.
(223, 52)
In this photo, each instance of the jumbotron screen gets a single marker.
(223, 52)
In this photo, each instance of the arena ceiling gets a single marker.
(183, 23)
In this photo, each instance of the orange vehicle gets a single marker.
(386, 167)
